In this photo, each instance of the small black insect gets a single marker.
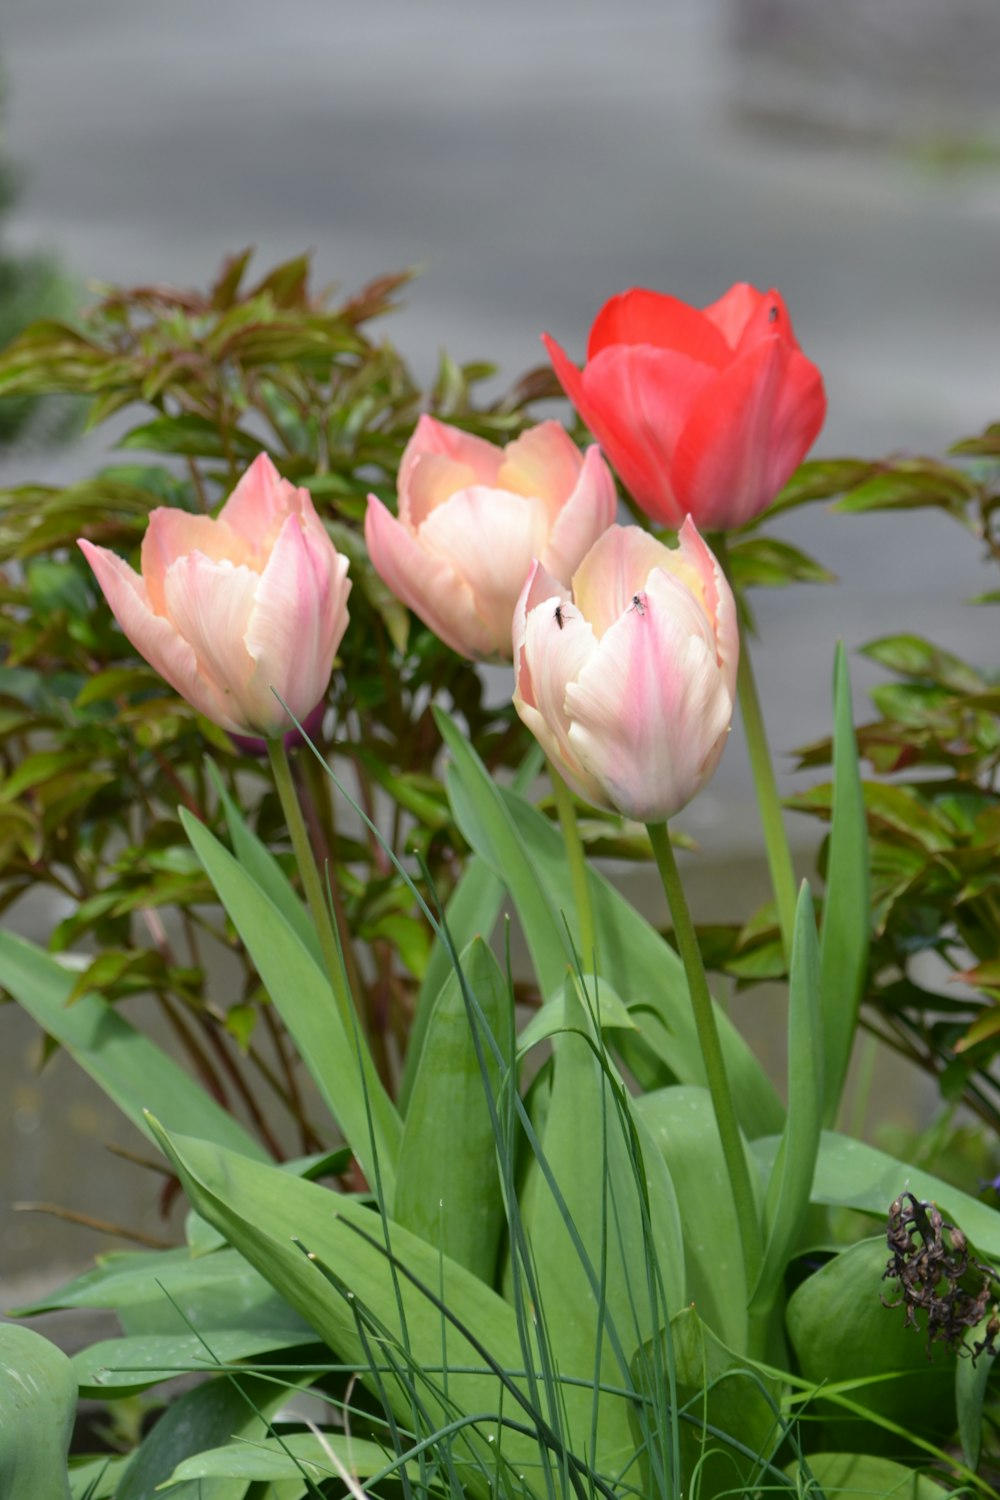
(559, 617)
(772, 316)
(638, 604)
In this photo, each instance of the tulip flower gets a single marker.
(473, 516)
(628, 680)
(703, 413)
(235, 611)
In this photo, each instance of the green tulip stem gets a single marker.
(779, 855)
(311, 881)
(577, 867)
(711, 1051)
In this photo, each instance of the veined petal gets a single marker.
(259, 504)
(722, 465)
(489, 537)
(650, 710)
(544, 464)
(171, 533)
(210, 603)
(553, 642)
(640, 316)
(586, 515)
(614, 571)
(426, 582)
(153, 636)
(298, 619)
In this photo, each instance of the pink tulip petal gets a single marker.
(298, 619)
(640, 317)
(426, 582)
(543, 463)
(589, 511)
(551, 648)
(650, 710)
(259, 503)
(171, 533)
(489, 537)
(154, 637)
(616, 569)
(723, 462)
(432, 479)
(433, 437)
(210, 603)
(697, 565)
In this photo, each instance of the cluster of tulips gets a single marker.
(624, 649)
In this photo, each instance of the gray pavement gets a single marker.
(537, 157)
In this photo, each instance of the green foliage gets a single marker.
(38, 1393)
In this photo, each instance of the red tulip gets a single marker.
(702, 413)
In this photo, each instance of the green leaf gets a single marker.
(192, 436)
(340, 1065)
(853, 1476)
(787, 1200)
(971, 1380)
(820, 479)
(268, 1215)
(912, 485)
(913, 656)
(765, 562)
(236, 1406)
(846, 914)
(448, 1189)
(37, 1408)
(114, 1368)
(131, 1069)
(274, 1459)
(596, 1256)
(95, 1478)
(681, 1121)
(841, 1330)
(851, 1174)
(557, 1015)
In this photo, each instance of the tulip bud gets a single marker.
(628, 680)
(235, 611)
(471, 518)
(703, 413)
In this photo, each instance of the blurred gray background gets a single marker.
(536, 157)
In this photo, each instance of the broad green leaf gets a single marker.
(340, 1064)
(787, 1200)
(260, 864)
(95, 1478)
(594, 1256)
(213, 1413)
(846, 917)
(558, 1013)
(681, 1121)
(913, 656)
(192, 436)
(766, 562)
(472, 912)
(37, 1407)
(287, 1457)
(131, 1069)
(856, 1476)
(268, 1216)
(841, 1330)
(851, 1174)
(719, 1389)
(448, 1189)
(971, 1380)
(120, 1367)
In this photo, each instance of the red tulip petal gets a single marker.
(640, 317)
(731, 313)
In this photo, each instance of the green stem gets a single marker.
(779, 855)
(577, 867)
(311, 881)
(711, 1051)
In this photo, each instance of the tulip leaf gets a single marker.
(274, 1459)
(851, 1476)
(841, 1330)
(787, 1200)
(682, 1123)
(610, 1012)
(134, 1073)
(846, 916)
(972, 1377)
(37, 1406)
(302, 995)
(272, 1219)
(448, 1189)
(113, 1368)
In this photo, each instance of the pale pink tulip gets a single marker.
(473, 516)
(628, 679)
(236, 610)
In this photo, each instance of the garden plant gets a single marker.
(461, 1220)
